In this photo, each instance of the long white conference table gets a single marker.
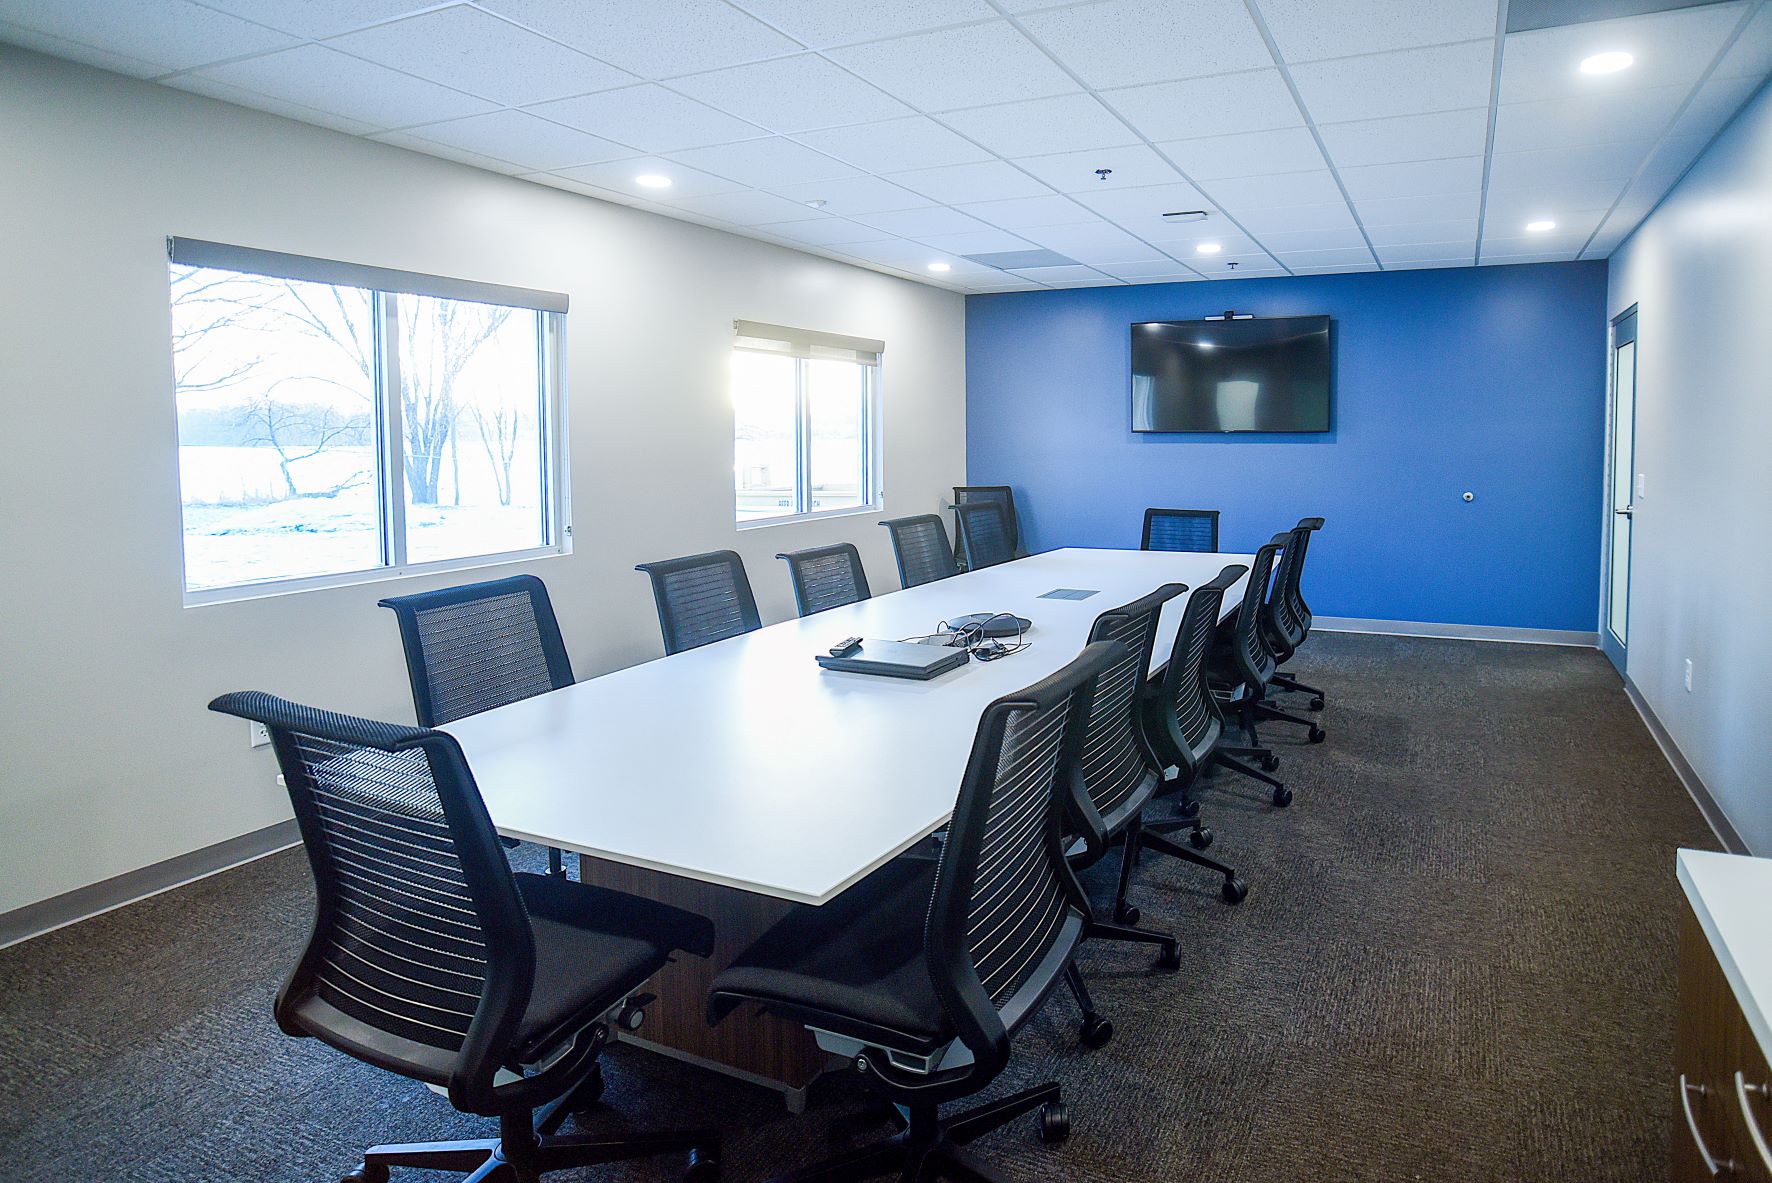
(741, 779)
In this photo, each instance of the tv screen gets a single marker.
(1269, 375)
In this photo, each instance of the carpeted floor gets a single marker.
(1456, 962)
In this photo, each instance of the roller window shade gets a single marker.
(808, 343)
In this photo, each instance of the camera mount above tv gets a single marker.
(1227, 314)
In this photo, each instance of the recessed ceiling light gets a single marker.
(653, 181)
(1207, 248)
(1540, 226)
(941, 267)
(1609, 62)
(1204, 345)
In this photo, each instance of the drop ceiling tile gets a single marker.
(749, 207)
(977, 242)
(1317, 240)
(1405, 82)
(567, 185)
(1239, 194)
(1550, 201)
(1457, 174)
(1526, 172)
(1183, 242)
(1106, 281)
(1407, 137)
(1464, 249)
(1074, 172)
(652, 38)
(1063, 276)
(1671, 157)
(822, 231)
(855, 195)
(1095, 242)
(964, 67)
(919, 223)
(315, 18)
(1516, 260)
(90, 55)
(1042, 127)
(1714, 105)
(327, 80)
(619, 175)
(1248, 271)
(1126, 42)
(1751, 55)
(650, 118)
(1345, 269)
(895, 145)
(1178, 277)
(1252, 154)
(1440, 207)
(1671, 49)
(1155, 268)
(1576, 224)
(1231, 103)
(169, 34)
(1514, 243)
(988, 180)
(1136, 209)
(821, 23)
(1029, 211)
(481, 54)
(915, 258)
(770, 162)
(1293, 219)
(197, 84)
(1587, 119)
(1340, 257)
(1008, 283)
(1310, 30)
(1417, 233)
(516, 136)
(799, 93)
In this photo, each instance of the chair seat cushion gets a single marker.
(593, 948)
(855, 966)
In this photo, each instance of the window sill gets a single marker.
(818, 515)
(288, 587)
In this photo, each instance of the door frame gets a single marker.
(1616, 650)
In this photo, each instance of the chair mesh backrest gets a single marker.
(400, 940)
(826, 577)
(1180, 529)
(984, 535)
(920, 544)
(472, 648)
(1282, 609)
(1185, 685)
(1001, 496)
(1115, 760)
(702, 599)
(1300, 608)
(1253, 653)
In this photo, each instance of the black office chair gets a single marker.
(923, 971)
(1180, 529)
(920, 546)
(1001, 496)
(702, 599)
(1241, 665)
(1289, 617)
(479, 646)
(1186, 726)
(430, 959)
(1118, 776)
(826, 577)
(984, 535)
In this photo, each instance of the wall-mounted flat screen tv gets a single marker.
(1267, 375)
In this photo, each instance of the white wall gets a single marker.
(1700, 272)
(108, 760)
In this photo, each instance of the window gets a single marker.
(337, 421)
(804, 414)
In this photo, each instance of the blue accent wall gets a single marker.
(1489, 379)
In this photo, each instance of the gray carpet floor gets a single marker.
(1456, 962)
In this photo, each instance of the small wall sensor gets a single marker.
(1470, 496)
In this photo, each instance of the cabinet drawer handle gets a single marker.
(1742, 1089)
(1711, 1164)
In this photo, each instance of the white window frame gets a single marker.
(556, 502)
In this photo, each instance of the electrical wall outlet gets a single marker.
(260, 735)
(1688, 675)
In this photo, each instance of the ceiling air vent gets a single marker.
(1022, 260)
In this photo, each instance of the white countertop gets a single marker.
(744, 763)
(1731, 895)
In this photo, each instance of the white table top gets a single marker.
(746, 764)
(1728, 893)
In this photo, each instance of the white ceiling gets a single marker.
(1321, 135)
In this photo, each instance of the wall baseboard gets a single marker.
(1700, 792)
(83, 903)
(1457, 632)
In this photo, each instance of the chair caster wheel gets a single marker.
(1234, 890)
(1097, 1031)
(1270, 762)
(1200, 839)
(1126, 914)
(1055, 1123)
(1317, 734)
(1170, 959)
(367, 1172)
(704, 1167)
(1282, 797)
(1316, 704)
(1189, 809)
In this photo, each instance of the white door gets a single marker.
(1622, 469)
